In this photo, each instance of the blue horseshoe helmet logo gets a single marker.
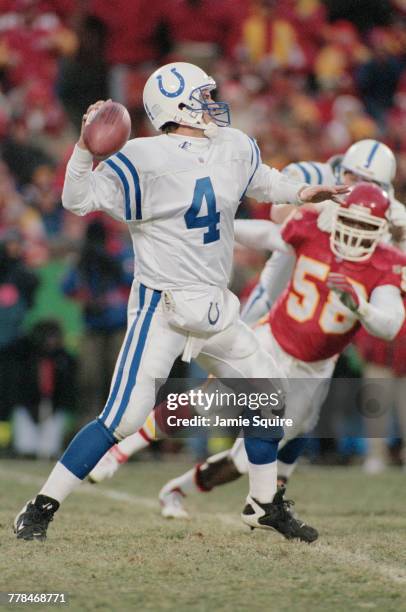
(172, 94)
(213, 321)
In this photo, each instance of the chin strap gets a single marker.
(212, 130)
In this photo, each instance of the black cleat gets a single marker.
(277, 516)
(33, 520)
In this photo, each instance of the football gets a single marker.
(107, 129)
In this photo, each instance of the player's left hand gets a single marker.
(339, 284)
(320, 193)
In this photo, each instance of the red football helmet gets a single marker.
(360, 222)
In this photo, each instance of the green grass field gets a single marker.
(109, 549)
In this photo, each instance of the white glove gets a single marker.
(397, 213)
(325, 218)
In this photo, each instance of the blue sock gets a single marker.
(87, 448)
(261, 451)
(292, 450)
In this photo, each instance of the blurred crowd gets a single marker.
(305, 77)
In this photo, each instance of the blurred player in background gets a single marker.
(366, 160)
(179, 304)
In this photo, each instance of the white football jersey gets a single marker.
(312, 172)
(179, 196)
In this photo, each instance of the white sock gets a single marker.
(133, 444)
(186, 482)
(285, 470)
(60, 483)
(262, 481)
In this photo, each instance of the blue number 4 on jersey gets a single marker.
(204, 190)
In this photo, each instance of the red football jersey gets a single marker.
(308, 320)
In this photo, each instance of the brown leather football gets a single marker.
(107, 129)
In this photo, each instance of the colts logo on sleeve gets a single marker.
(172, 94)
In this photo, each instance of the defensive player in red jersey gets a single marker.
(342, 280)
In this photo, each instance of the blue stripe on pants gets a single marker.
(135, 364)
(256, 295)
(119, 377)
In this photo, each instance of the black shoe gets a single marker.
(279, 517)
(33, 520)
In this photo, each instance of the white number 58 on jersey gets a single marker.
(303, 302)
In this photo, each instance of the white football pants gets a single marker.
(150, 348)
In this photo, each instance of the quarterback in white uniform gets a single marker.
(178, 193)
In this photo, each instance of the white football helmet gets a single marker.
(177, 93)
(372, 161)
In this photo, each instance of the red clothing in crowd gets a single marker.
(27, 42)
(63, 8)
(131, 28)
(209, 21)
